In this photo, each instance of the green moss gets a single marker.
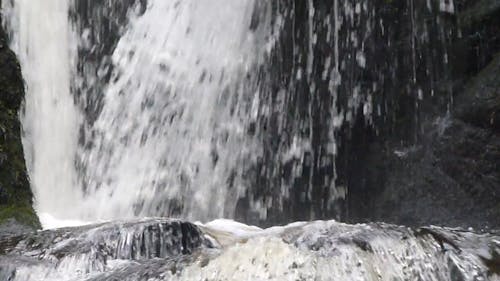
(21, 213)
(15, 193)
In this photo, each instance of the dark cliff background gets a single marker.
(429, 152)
(449, 172)
(15, 192)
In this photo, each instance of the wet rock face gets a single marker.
(324, 250)
(481, 25)
(462, 255)
(447, 174)
(479, 105)
(15, 193)
(448, 178)
(153, 247)
(346, 75)
(162, 249)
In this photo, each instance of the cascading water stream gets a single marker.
(171, 133)
(200, 109)
(42, 37)
(224, 109)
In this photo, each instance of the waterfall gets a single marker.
(143, 115)
(244, 110)
(45, 43)
(170, 135)
(172, 130)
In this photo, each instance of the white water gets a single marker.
(45, 46)
(178, 99)
(321, 250)
(172, 130)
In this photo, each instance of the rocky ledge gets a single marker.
(165, 249)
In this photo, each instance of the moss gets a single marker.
(21, 213)
(15, 193)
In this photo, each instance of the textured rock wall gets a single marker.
(344, 76)
(15, 193)
(451, 175)
(387, 101)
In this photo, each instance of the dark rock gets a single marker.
(395, 61)
(480, 24)
(134, 240)
(12, 90)
(481, 11)
(439, 236)
(449, 173)
(11, 228)
(450, 178)
(146, 248)
(480, 102)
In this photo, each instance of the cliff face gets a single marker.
(428, 151)
(451, 175)
(15, 193)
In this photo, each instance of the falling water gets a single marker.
(214, 109)
(46, 46)
(171, 132)
(182, 115)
